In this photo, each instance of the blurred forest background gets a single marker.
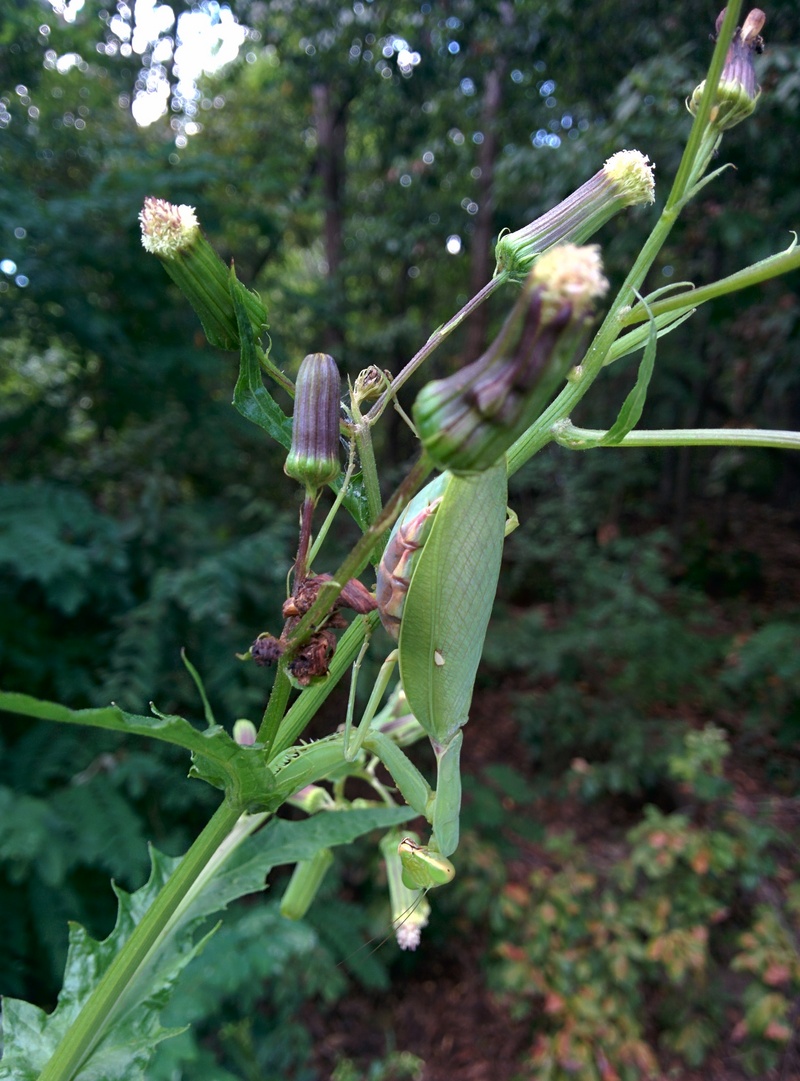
(628, 898)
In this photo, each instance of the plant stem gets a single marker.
(309, 702)
(360, 554)
(586, 438)
(92, 1022)
(331, 515)
(771, 267)
(435, 341)
(693, 163)
(362, 434)
(276, 707)
(300, 569)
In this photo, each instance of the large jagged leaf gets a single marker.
(216, 757)
(122, 1053)
(283, 842)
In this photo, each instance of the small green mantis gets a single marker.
(436, 586)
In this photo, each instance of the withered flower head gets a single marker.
(467, 421)
(738, 91)
(370, 384)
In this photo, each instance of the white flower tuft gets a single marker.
(167, 229)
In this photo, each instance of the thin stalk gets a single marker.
(434, 342)
(306, 519)
(771, 267)
(92, 1022)
(326, 525)
(360, 554)
(572, 436)
(362, 434)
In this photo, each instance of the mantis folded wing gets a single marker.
(443, 619)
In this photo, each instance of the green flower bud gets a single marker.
(303, 885)
(467, 421)
(173, 234)
(314, 454)
(738, 92)
(625, 180)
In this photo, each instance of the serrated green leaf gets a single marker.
(449, 602)
(31, 1036)
(123, 1052)
(282, 842)
(216, 757)
(250, 397)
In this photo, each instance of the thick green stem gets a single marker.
(92, 1022)
(276, 707)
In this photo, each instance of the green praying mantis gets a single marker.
(436, 586)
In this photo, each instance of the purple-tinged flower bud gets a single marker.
(173, 234)
(625, 180)
(314, 454)
(244, 732)
(311, 799)
(467, 421)
(738, 92)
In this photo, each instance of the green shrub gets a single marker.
(617, 954)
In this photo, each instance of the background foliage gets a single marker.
(139, 515)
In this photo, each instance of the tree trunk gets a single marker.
(482, 260)
(331, 123)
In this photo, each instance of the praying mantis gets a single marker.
(436, 587)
